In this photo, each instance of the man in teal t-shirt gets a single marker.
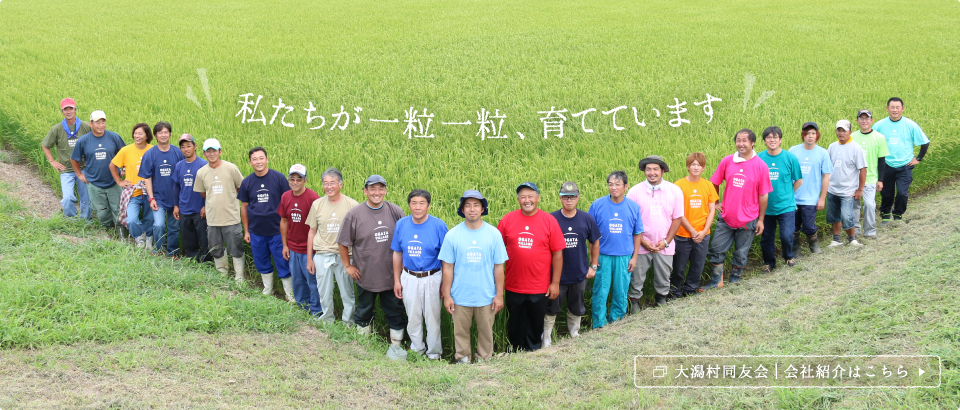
(902, 136)
(786, 177)
(874, 144)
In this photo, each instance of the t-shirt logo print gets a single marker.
(525, 243)
(616, 227)
(381, 236)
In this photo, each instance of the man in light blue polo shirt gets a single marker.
(473, 254)
(902, 136)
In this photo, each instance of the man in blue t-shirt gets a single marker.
(902, 136)
(580, 231)
(188, 207)
(156, 169)
(95, 150)
(416, 246)
(473, 254)
(786, 178)
(259, 196)
(815, 169)
(618, 218)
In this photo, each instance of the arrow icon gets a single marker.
(921, 372)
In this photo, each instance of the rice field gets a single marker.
(381, 74)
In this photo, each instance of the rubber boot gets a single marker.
(288, 288)
(633, 306)
(814, 244)
(716, 277)
(573, 325)
(796, 246)
(238, 269)
(148, 244)
(363, 330)
(661, 299)
(396, 337)
(141, 241)
(267, 283)
(547, 336)
(222, 264)
(735, 274)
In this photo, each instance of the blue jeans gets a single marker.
(806, 220)
(69, 180)
(841, 209)
(262, 248)
(768, 240)
(740, 239)
(136, 225)
(304, 284)
(169, 231)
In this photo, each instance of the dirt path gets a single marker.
(25, 185)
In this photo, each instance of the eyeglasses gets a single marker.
(330, 184)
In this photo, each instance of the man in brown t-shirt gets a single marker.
(368, 229)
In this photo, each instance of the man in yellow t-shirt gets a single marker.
(129, 159)
(699, 205)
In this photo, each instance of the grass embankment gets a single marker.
(895, 296)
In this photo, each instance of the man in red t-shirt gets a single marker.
(294, 208)
(535, 246)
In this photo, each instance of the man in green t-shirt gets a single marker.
(785, 178)
(875, 147)
(62, 137)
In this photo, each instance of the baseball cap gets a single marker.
(187, 138)
(298, 169)
(861, 112)
(845, 124)
(472, 193)
(810, 124)
(530, 185)
(375, 179)
(67, 102)
(98, 115)
(569, 188)
(211, 143)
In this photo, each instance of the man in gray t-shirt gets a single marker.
(368, 229)
(846, 183)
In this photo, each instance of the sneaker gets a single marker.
(855, 243)
(870, 237)
(464, 360)
(834, 244)
(767, 269)
(792, 263)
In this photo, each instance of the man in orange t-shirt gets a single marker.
(699, 206)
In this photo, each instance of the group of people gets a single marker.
(532, 262)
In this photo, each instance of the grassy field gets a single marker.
(107, 341)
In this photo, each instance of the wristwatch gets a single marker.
(595, 267)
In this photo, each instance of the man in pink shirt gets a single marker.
(743, 206)
(661, 209)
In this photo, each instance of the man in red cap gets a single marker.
(62, 137)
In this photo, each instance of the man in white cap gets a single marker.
(323, 255)
(368, 230)
(661, 209)
(63, 137)
(95, 150)
(473, 254)
(294, 231)
(218, 182)
(259, 196)
(846, 184)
